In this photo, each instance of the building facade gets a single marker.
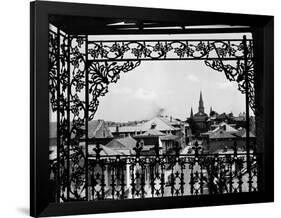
(198, 121)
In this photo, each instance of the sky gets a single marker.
(171, 86)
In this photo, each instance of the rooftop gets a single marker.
(96, 129)
(123, 145)
(161, 124)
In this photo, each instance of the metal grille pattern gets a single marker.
(148, 176)
(79, 74)
(168, 49)
(224, 55)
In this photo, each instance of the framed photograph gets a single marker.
(142, 109)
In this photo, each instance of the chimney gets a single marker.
(223, 127)
(153, 125)
(171, 118)
(117, 129)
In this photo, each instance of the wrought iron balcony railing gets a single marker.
(149, 176)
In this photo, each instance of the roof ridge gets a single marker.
(122, 142)
(111, 150)
(166, 122)
(98, 127)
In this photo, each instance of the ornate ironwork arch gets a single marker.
(226, 56)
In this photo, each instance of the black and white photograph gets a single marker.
(150, 115)
(140, 108)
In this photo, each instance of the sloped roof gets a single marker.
(128, 142)
(229, 132)
(96, 128)
(242, 133)
(152, 132)
(122, 143)
(228, 128)
(221, 134)
(162, 124)
(171, 120)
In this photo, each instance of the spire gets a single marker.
(201, 99)
(191, 113)
(211, 110)
(201, 104)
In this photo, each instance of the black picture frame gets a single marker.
(262, 29)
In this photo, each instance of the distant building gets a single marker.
(150, 140)
(165, 132)
(123, 145)
(187, 133)
(237, 121)
(170, 143)
(162, 124)
(222, 137)
(98, 132)
(198, 121)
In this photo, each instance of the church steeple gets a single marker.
(191, 113)
(201, 104)
(211, 111)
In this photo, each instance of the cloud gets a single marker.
(145, 94)
(192, 78)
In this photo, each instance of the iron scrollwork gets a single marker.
(235, 70)
(74, 61)
(101, 74)
(221, 55)
(164, 50)
(68, 68)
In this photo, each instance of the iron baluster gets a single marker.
(152, 166)
(103, 168)
(113, 174)
(132, 174)
(201, 183)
